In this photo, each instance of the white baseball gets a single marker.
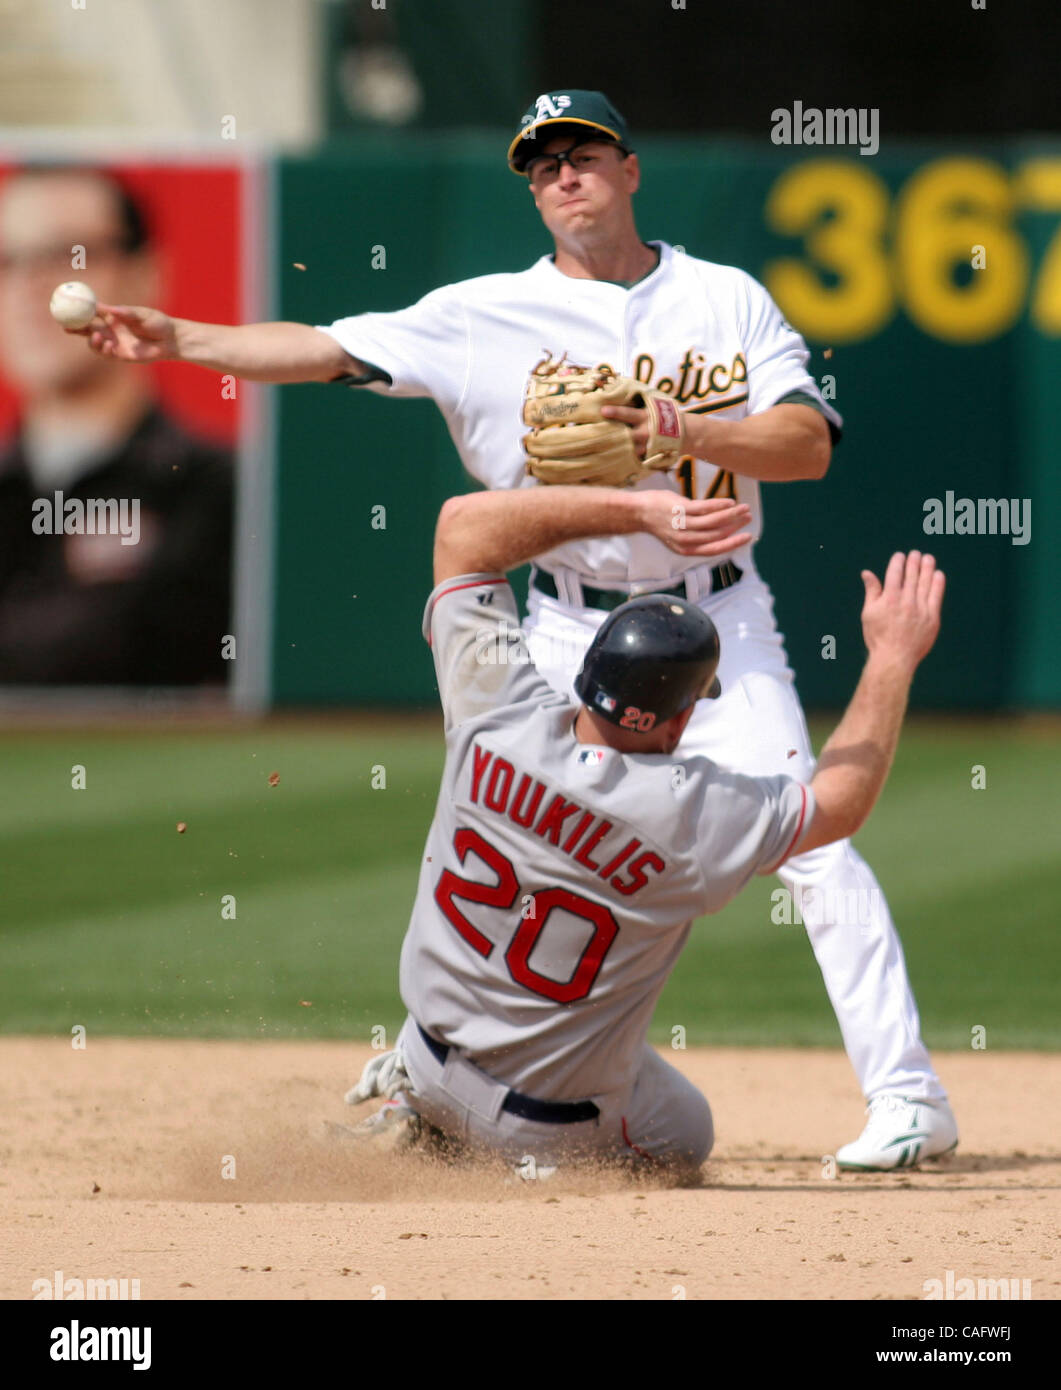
(73, 304)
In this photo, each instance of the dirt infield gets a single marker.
(112, 1161)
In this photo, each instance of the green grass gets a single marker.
(113, 920)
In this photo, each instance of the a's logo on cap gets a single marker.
(548, 107)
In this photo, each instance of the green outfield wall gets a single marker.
(948, 374)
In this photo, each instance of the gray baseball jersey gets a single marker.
(560, 879)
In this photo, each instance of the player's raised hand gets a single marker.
(709, 526)
(900, 617)
(131, 333)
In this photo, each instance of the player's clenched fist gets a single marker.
(131, 333)
(901, 617)
(708, 526)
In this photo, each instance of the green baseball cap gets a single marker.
(557, 110)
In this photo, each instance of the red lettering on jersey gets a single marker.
(517, 957)
(497, 799)
(637, 879)
(582, 857)
(500, 894)
(623, 854)
(526, 817)
(579, 830)
(556, 813)
(480, 762)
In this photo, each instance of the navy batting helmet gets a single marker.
(650, 659)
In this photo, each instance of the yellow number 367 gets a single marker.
(947, 250)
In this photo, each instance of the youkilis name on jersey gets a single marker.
(499, 786)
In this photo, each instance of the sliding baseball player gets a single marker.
(566, 861)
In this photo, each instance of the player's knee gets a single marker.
(705, 1133)
(697, 1137)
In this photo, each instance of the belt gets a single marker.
(722, 577)
(547, 1112)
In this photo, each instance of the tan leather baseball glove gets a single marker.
(571, 443)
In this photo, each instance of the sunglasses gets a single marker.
(544, 168)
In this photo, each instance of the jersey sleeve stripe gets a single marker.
(456, 588)
(795, 838)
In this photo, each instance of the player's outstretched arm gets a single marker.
(273, 352)
(491, 532)
(900, 621)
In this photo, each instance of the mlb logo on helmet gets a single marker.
(605, 701)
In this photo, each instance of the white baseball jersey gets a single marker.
(560, 878)
(708, 335)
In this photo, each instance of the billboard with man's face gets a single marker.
(117, 480)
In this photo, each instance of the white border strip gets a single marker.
(122, 146)
(254, 551)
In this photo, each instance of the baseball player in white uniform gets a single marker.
(568, 855)
(711, 337)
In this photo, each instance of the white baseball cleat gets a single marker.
(901, 1132)
(530, 1170)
